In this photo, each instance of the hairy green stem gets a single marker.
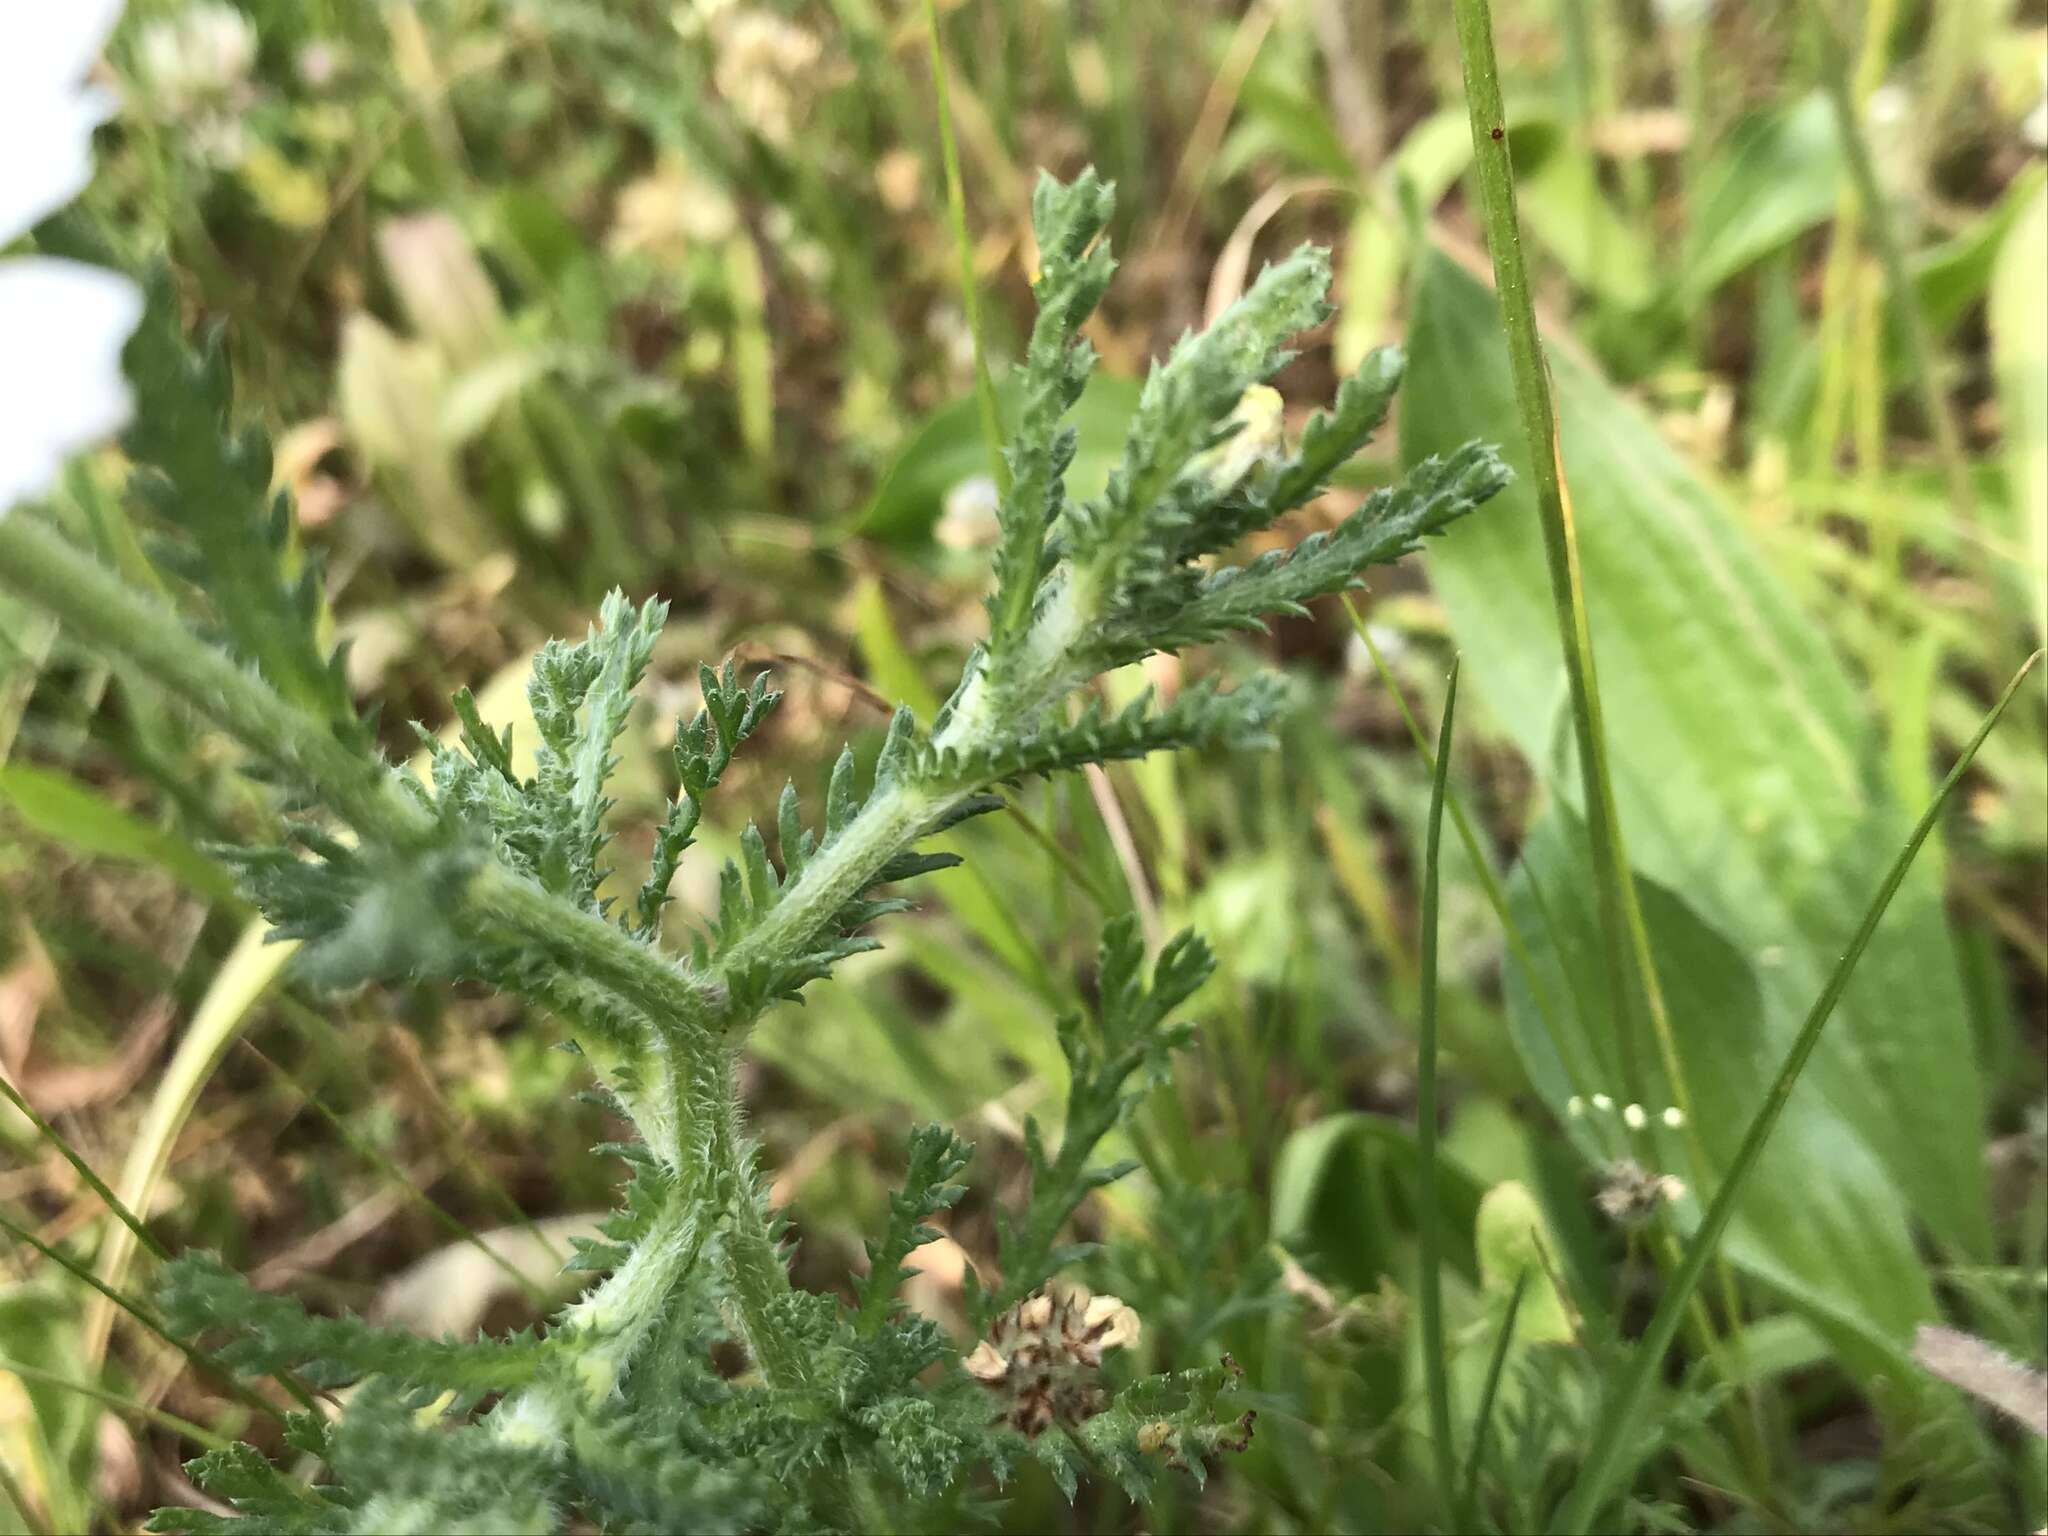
(617, 1315)
(755, 1270)
(99, 609)
(891, 820)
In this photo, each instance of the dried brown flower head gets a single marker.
(1630, 1194)
(1043, 1356)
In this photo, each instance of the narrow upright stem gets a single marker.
(1435, 1367)
(1891, 251)
(1560, 539)
(1625, 939)
(755, 1269)
(963, 246)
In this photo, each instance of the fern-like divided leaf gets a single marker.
(1391, 523)
(1329, 441)
(1074, 271)
(1112, 1068)
(704, 749)
(551, 827)
(1156, 491)
(648, 1189)
(1172, 1421)
(212, 487)
(1200, 716)
(936, 1154)
(266, 1335)
(364, 914)
(266, 1499)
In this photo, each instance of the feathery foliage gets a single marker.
(617, 1416)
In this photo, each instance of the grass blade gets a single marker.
(1618, 1421)
(1482, 867)
(147, 1318)
(242, 981)
(1482, 1421)
(1539, 427)
(956, 212)
(1898, 273)
(1630, 965)
(1430, 1219)
(83, 1169)
(184, 1428)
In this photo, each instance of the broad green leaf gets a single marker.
(1951, 277)
(1820, 1221)
(1570, 214)
(2019, 339)
(1748, 774)
(1776, 177)
(1343, 1191)
(59, 807)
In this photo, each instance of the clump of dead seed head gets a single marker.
(1043, 1357)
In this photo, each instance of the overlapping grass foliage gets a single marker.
(1563, 1173)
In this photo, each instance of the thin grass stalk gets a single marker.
(144, 1316)
(1629, 960)
(396, 1176)
(1618, 1422)
(1837, 80)
(83, 1169)
(1482, 1420)
(1489, 883)
(963, 245)
(1062, 857)
(185, 1428)
(1429, 1221)
(1560, 544)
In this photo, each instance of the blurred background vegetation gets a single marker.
(540, 298)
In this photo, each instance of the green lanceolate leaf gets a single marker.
(1751, 784)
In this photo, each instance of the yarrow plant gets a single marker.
(844, 1414)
